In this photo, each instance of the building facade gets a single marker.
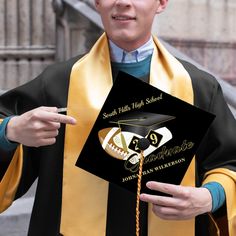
(204, 30)
(27, 40)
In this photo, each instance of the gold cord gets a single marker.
(138, 192)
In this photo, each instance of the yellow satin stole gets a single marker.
(11, 179)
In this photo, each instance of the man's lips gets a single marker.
(123, 17)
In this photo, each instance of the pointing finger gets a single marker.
(49, 116)
(55, 117)
(171, 189)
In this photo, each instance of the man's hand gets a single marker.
(38, 127)
(184, 203)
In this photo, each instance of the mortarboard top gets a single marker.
(142, 122)
(165, 163)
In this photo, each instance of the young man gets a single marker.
(35, 142)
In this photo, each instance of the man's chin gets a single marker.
(125, 40)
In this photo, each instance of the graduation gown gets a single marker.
(215, 159)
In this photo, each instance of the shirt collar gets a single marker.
(119, 55)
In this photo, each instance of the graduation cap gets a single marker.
(142, 122)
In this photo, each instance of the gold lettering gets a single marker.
(124, 109)
(128, 178)
(129, 166)
(154, 99)
(169, 164)
(169, 152)
(108, 115)
(161, 155)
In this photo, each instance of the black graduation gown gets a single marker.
(218, 149)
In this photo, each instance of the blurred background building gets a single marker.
(37, 33)
(30, 39)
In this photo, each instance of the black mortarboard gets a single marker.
(142, 122)
(145, 129)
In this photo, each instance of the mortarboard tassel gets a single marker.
(143, 144)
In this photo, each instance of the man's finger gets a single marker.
(63, 119)
(159, 200)
(55, 117)
(171, 189)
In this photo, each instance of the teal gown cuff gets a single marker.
(5, 144)
(217, 193)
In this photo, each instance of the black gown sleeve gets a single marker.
(50, 88)
(218, 148)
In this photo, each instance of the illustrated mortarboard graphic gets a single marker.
(134, 111)
(121, 141)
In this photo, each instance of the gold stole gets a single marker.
(84, 203)
(11, 179)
